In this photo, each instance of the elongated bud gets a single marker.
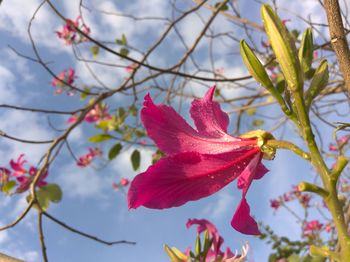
(318, 82)
(284, 48)
(174, 254)
(198, 246)
(306, 50)
(257, 70)
(254, 66)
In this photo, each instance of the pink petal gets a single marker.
(208, 116)
(254, 170)
(203, 225)
(172, 134)
(242, 220)
(261, 171)
(177, 179)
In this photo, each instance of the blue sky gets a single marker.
(89, 203)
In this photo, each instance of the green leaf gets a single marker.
(47, 194)
(124, 51)
(122, 40)
(135, 159)
(8, 186)
(284, 48)
(306, 50)
(100, 138)
(104, 125)
(43, 199)
(94, 51)
(53, 192)
(223, 8)
(114, 151)
(85, 94)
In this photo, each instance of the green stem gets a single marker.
(281, 144)
(329, 183)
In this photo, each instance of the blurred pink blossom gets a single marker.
(70, 35)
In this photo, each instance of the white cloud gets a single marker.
(15, 16)
(82, 182)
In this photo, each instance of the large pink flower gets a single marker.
(198, 162)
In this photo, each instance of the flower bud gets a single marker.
(284, 48)
(318, 82)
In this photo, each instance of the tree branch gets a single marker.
(338, 39)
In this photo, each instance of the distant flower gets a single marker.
(312, 227)
(98, 113)
(215, 253)
(275, 204)
(25, 181)
(86, 159)
(122, 183)
(70, 35)
(198, 162)
(131, 68)
(17, 166)
(285, 21)
(23, 176)
(63, 81)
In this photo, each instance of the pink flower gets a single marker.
(312, 227)
(199, 162)
(86, 159)
(215, 251)
(69, 34)
(275, 204)
(204, 225)
(72, 119)
(62, 81)
(98, 113)
(131, 68)
(17, 166)
(25, 181)
(124, 181)
(284, 21)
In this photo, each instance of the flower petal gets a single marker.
(208, 116)
(173, 135)
(177, 179)
(255, 170)
(242, 220)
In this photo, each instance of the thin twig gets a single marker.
(109, 243)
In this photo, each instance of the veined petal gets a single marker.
(177, 179)
(242, 221)
(208, 117)
(173, 135)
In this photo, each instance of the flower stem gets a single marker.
(329, 182)
(280, 144)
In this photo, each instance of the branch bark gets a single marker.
(338, 39)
